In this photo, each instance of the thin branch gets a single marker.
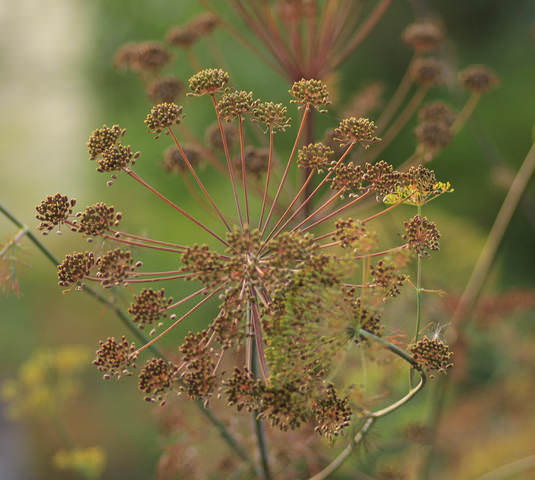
(270, 161)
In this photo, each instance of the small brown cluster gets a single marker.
(97, 219)
(256, 160)
(314, 155)
(165, 89)
(173, 161)
(434, 136)
(424, 36)
(388, 278)
(353, 130)
(115, 358)
(436, 111)
(156, 379)
(347, 177)
(150, 57)
(381, 178)
(53, 211)
(348, 231)
(478, 79)
(433, 355)
(182, 36)
(332, 413)
(75, 267)
(310, 92)
(273, 115)
(102, 139)
(242, 390)
(428, 71)
(213, 135)
(422, 235)
(116, 158)
(149, 307)
(207, 265)
(208, 81)
(114, 267)
(162, 117)
(234, 104)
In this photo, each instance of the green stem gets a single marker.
(218, 424)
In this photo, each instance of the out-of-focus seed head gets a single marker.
(366, 100)
(421, 235)
(75, 267)
(273, 115)
(53, 211)
(235, 103)
(163, 116)
(208, 81)
(151, 57)
(115, 158)
(156, 379)
(310, 92)
(213, 135)
(437, 111)
(433, 355)
(173, 161)
(434, 136)
(353, 130)
(114, 267)
(256, 160)
(149, 307)
(388, 278)
(348, 232)
(165, 89)
(478, 79)
(332, 414)
(424, 36)
(428, 71)
(97, 219)
(204, 23)
(125, 56)
(115, 358)
(314, 155)
(183, 36)
(102, 139)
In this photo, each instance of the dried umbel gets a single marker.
(114, 267)
(183, 37)
(314, 155)
(434, 136)
(272, 115)
(310, 92)
(156, 379)
(97, 219)
(214, 138)
(437, 111)
(424, 36)
(150, 57)
(332, 414)
(356, 130)
(256, 160)
(432, 354)
(165, 89)
(102, 139)
(478, 79)
(54, 211)
(115, 358)
(235, 104)
(421, 235)
(428, 71)
(75, 268)
(163, 116)
(149, 307)
(387, 277)
(208, 81)
(116, 158)
(173, 161)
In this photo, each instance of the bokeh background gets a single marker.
(58, 83)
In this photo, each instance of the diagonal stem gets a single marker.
(243, 173)
(270, 162)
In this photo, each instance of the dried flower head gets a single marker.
(433, 355)
(434, 136)
(234, 103)
(115, 358)
(388, 278)
(314, 155)
(273, 115)
(116, 158)
(162, 117)
(332, 414)
(165, 89)
(424, 36)
(173, 161)
(125, 56)
(353, 130)
(151, 57)
(54, 211)
(348, 232)
(156, 379)
(204, 23)
(114, 267)
(421, 235)
(256, 160)
(208, 81)
(75, 267)
(149, 307)
(183, 36)
(102, 139)
(437, 111)
(310, 92)
(428, 71)
(214, 139)
(97, 219)
(478, 79)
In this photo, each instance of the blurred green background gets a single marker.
(58, 83)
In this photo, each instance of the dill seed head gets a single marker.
(115, 158)
(208, 81)
(115, 358)
(53, 211)
(332, 414)
(102, 139)
(388, 278)
(183, 36)
(478, 79)
(125, 56)
(235, 103)
(348, 232)
(156, 379)
(97, 219)
(381, 178)
(349, 177)
(353, 130)
(114, 267)
(256, 160)
(163, 116)
(428, 71)
(204, 23)
(75, 267)
(368, 319)
(424, 36)
(311, 91)
(434, 136)
(213, 135)
(437, 111)
(433, 355)
(151, 57)
(165, 89)
(314, 155)
(148, 307)
(173, 161)
(421, 234)
(273, 115)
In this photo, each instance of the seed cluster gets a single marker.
(388, 278)
(423, 37)
(208, 81)
(114, 267)
(149, 307)
(165, 89)
(348, 232)
(163, 116)
(353, 130)
(102, 139)
(115, 358)
(97, 219)
(314, 155)
(150, 56)
(234, 104)
(273, 115)
(75, 267)
(53, 211)
(421, 234)
(256, 160)
(156, 379)
(116, 158)
(332, 414)
(214, 139)
(433, 355)
(478, 79)
(310, 92)
(428, 71)
(173, 161)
